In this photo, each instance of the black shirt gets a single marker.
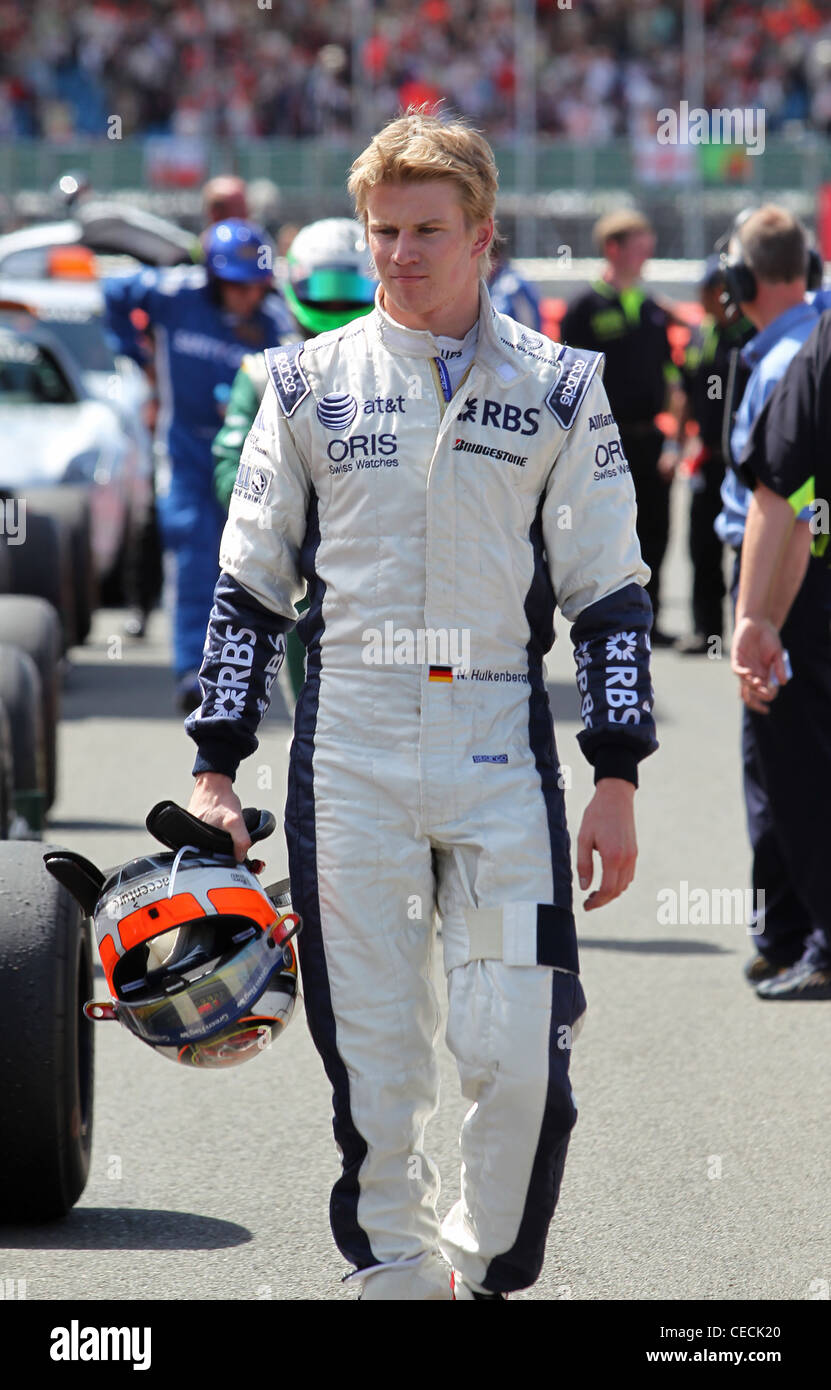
(706, 371)
(631, 329)
(789, 449)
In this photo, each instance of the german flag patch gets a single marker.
(441, 673)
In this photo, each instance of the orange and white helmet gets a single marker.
(198, 957)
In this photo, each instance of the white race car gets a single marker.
(66, 454)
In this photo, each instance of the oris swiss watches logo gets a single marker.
(337, 411)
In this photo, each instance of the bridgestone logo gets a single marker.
(466, 446)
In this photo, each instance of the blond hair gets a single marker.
(618, 225)
(417, 147)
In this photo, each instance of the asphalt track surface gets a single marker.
(700, 1165)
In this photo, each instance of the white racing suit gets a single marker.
(435, 537)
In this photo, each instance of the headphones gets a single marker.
(740, 278)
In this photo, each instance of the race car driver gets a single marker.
(204, 319)
(439, 477)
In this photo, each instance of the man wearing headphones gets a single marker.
(707, 363)
(766, 272)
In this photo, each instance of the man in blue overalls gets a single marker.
(204, 319)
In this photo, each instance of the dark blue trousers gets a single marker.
(787, 783)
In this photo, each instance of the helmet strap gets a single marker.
(176, 863)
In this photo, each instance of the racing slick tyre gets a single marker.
(7, 815)
(33, 625)
(46, 1042)
(42, 567)
(20, 694)
(69, 508)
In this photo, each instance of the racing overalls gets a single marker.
(436, 532)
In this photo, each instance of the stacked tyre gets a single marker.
(47, 599)
(50, 556)
(30, 663)
(46, 1042)
(46, 1049)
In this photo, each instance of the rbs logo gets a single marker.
(503, 416)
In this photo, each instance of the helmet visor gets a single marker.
(250, 1034)
(234, 1045)
(334, 285)
(196, 1004)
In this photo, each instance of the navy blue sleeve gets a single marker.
(244, 649)
(611, 650)
(122, 295)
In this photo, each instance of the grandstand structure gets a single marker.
(153, 96)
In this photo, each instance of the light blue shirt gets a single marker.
(768, 355)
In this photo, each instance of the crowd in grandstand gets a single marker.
(287, 67)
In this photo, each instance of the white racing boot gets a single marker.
(425, 1278)
(464, 1291)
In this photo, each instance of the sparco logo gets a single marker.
(285, 371)
(466, 446)
(287, 375)
(337, 410)
(568, 390)
(574, 370)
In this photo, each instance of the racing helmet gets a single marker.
(330, 279)
(198, 957)
(239, 251)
